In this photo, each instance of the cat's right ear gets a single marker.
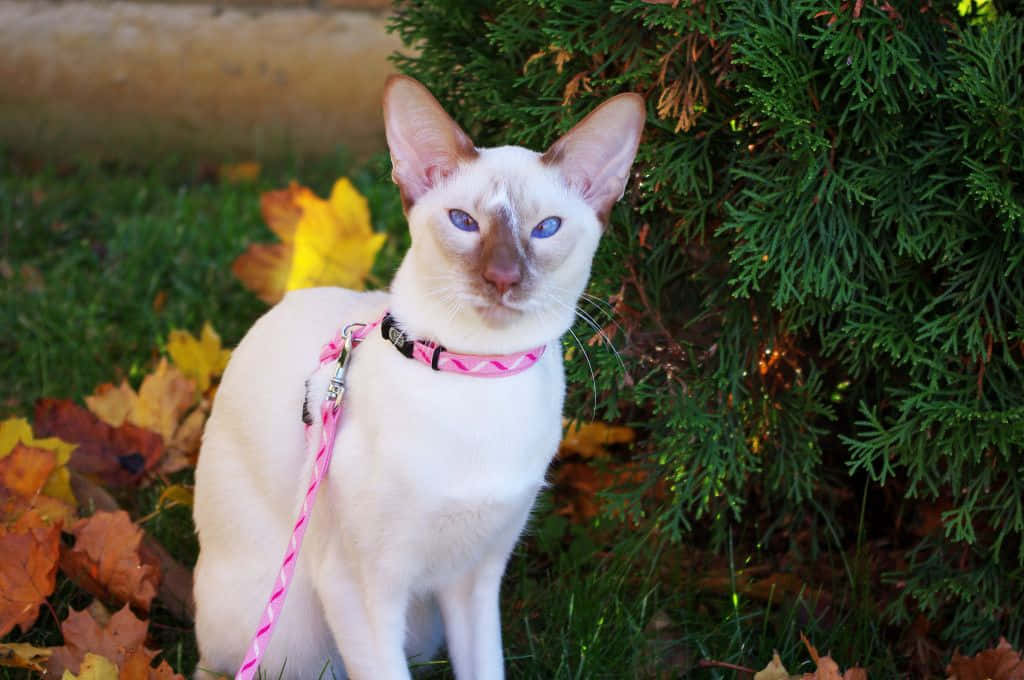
(426, 144)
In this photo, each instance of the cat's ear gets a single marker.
(595, 156)
(426, 144)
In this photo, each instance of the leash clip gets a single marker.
(336, 388)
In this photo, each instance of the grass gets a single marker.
(100, 262)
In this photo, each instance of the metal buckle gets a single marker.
(336, 388)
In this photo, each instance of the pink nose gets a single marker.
(503, 276)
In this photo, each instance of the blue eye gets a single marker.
(547, 227)
(463, 221)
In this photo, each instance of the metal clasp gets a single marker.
(336, 388)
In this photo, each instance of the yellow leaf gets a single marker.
(58, 484)
(112, 404)
(164, 396)
(202, 359)
(173, 496)
(334, 244)
(20, 655)
(263, 269)
(94, 667)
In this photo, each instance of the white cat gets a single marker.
(434, 473)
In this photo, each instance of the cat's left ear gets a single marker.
(595, 156)
(426, 144)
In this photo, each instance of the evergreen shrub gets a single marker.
(816, 277)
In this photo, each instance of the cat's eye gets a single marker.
(463, 220)
(547, 227)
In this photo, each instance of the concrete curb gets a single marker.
(139, 80)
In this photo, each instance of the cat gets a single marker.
(434, 474)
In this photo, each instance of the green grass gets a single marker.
(86, 253)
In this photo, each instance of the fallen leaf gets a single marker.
(20, 655)
(25, 469)
(827, 668)
(119, 456)
(28, 571)
(329, 243)
(175, 495)
(235, 173)
(590, 440)
(581, 483)
(1001, 663)
(105, 560)
(774, 670)
(58, 483)
(199, 359)
(164, 397)
(183, 450)
(32, 278)
(112, 404)
(94, 667)
(263, 269)
(116, 640)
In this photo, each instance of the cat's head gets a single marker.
(502, 238)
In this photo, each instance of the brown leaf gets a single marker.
(1001, 663)
(773, 671)
(237, 173)
(121, 637)
(118, 456)
(105, 560)
(827, 668)
(28, 571)
(184, 448)
(137, 667)
(20, 655)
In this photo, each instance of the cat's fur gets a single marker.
(434, 474)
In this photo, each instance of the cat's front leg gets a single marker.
(472, 622)
(470, 606)
(367, 617)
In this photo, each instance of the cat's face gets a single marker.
(503, 238)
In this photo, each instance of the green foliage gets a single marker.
(817, 274)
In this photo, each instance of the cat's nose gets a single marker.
(503, 275)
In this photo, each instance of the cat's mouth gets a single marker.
(499, 312)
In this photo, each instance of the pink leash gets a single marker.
(339, 350)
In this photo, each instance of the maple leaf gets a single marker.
(58, 484)
(116, 640)
(1001, 663)
(105, 560)
(28, 570)
(200, 359)
(236, 173)
(325, 243)
(94, 667)
(119, 456)
(827, 668)
(163, 397)
(21, 655)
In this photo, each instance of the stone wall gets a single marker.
(235, 79)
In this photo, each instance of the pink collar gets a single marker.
(440, 359)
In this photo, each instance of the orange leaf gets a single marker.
(827, 668)
(263, 268)
(117, 456)
(21, 655)
(28, 571)
(26, 468)
(590, 440)
(106, 562)
(281, 210)
(116, 640)
(235, 173)
(1001, 663)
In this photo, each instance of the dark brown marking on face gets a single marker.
(502, 262)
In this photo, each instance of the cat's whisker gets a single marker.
(593, 376)
(589, 320)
